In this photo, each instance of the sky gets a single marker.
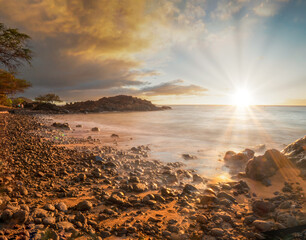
(167, 51)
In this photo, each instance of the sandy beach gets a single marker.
(54, 186)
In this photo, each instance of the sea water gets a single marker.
(206, 132)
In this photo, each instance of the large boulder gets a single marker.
(265, 166)
(296, 152)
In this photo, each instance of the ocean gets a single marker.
(206, 132)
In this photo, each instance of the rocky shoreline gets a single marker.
(49, 191)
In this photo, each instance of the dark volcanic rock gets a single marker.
(262, 208)
(265, 166)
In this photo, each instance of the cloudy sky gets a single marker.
(175, 52)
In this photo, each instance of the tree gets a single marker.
(9, 84)
(14, 51)
(49, 98)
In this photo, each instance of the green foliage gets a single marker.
(49, 98)
(14, 51)
(9, 84)
(5, 101)
(16, 101)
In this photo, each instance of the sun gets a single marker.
(242, 97)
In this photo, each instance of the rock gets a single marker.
(238, 158)
(139, 187)
(201, 219)
(296, 151)
(81, 177)
(265, 166)
(262, 208)
(285, 205)
(197, 178)
(166, 234)
(6, 215)
(64, 126)
(61, 207)
(66, 226)
(263, 226)
(226, 196)
(23, 191)
(217, 232)
(79, 217)
(84, 205)
(95, 129)
(114, 135)
(79, 126)
(20, 216)
(49, 207)
(40, 213)
(207, 199)
(189, 157)
(188, 188)
(286, 219)
(105, 234)
(49, 220)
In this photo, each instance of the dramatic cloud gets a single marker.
(175, 87)
(89, 44)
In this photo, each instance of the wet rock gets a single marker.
(238, 158)
(286, 219)
(84, 205)
(226, 196)
(265, 166)
(64, 126)
(296, 150)
(263, 226)
(188, 188)
(189, 157)
(197, 178)
(262, 208)
(285, 205)
(207, 199)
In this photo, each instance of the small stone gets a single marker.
(49, 207)
(95, 129)
(84, 205)
(61, 207)
(49, 220)
(201, 219)
(218, 232)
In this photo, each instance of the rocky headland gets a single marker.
(91, 191)
(119, 103)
